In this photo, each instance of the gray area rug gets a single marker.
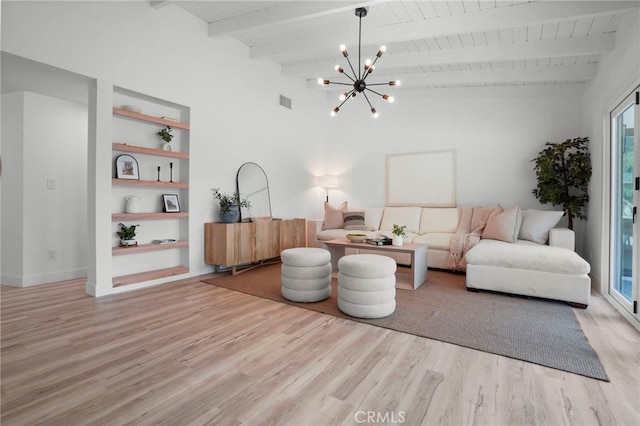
(534, 330)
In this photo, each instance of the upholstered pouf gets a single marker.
(306, 274)
(367, 285)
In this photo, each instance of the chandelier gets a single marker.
(358, 80)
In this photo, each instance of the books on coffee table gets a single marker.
(379, 241)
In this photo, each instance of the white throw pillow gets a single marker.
(504, 226)
(537, 223)
(333, 218)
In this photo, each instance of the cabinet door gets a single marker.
(293, 233)
(244, 244)
(267, 240)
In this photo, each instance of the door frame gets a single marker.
(623, 306)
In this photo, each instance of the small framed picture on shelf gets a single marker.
(127, 167)
(170, 203)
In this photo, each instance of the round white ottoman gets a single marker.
(306, 274)
(367, 285)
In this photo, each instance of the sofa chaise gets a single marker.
(515, 251)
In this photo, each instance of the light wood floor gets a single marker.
(192, 353)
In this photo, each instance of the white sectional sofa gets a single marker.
(541, 261)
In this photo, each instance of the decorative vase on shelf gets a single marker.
(397, 240)
(231, 216)
(166, 146)
(128, 243)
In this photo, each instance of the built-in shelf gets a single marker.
(151, 118)
(117, 146)
(175, 258)
(135, 182)
(147, 216)
(148, 276)
(143, 248)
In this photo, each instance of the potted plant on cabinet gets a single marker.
(563, 171)
(398, 234)
(127, 235)
(229, 205)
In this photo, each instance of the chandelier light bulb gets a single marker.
(374, 113)
(394, 83)
(335, 111)
(388, 98)
(367, 62)
(339, 69)
(321, 81)
(343, 96)
(381, 51)
(371, 69)
(343, 49)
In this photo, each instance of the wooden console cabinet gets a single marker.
(233, 244)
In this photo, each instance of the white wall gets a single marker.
(618, 74)
(166, 53)
(495, 138)
(47, 139)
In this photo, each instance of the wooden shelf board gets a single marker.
(147, 216)
(143, 248)
(133, 182)
(149, 275)
(117, 146)
(151, 118)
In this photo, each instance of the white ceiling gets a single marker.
(430, 44)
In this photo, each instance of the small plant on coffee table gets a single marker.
(399, 230)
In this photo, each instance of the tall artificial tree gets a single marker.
(563, 170)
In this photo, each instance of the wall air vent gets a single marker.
(285, 102)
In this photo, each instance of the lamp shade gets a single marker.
(327, 181)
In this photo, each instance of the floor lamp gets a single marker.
(327, 182)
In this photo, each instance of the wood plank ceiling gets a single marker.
(430, 44)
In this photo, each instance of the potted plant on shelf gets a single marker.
(165, 135)
(127, 235)
(230, 205)
(398, 234)
(563, 171)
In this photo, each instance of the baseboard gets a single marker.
(34, 280)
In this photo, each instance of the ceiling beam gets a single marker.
(486, 76)
(552, 48)
(286, 13)
(519, 15)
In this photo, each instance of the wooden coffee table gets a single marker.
(406, 278)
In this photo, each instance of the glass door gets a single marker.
(624, 202)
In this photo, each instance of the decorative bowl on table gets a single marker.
(356, 238)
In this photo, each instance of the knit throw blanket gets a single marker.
(472, 223)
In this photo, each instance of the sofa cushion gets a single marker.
(373, 217)
(435, 240)
(333, 216)
(527, 255)
(537, 223)
(504, 226)
(436, 219)
(354, 220)
(409, 216)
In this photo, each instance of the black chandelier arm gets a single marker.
(349, 77)
(341, 84)
(351, 66)
(345, 100)
(367, 98)
(377, 93)
(372, 64)
(378, 84)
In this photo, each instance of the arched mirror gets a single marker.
(252, 185)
